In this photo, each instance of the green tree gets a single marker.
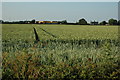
(64, 22)
(112, 22)
(82, 22)
(33, 21)
(103, 23)
(1, 21)
(119, 22)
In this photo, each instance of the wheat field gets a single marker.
(63, 52)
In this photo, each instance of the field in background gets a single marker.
(64, 51)
(65, 32)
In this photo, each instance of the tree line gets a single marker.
(110, 22)
(80, 22)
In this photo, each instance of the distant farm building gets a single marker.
(94, 23)
(54, 22)
(47, 22)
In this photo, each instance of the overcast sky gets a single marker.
(60, 0)
(70, 11)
